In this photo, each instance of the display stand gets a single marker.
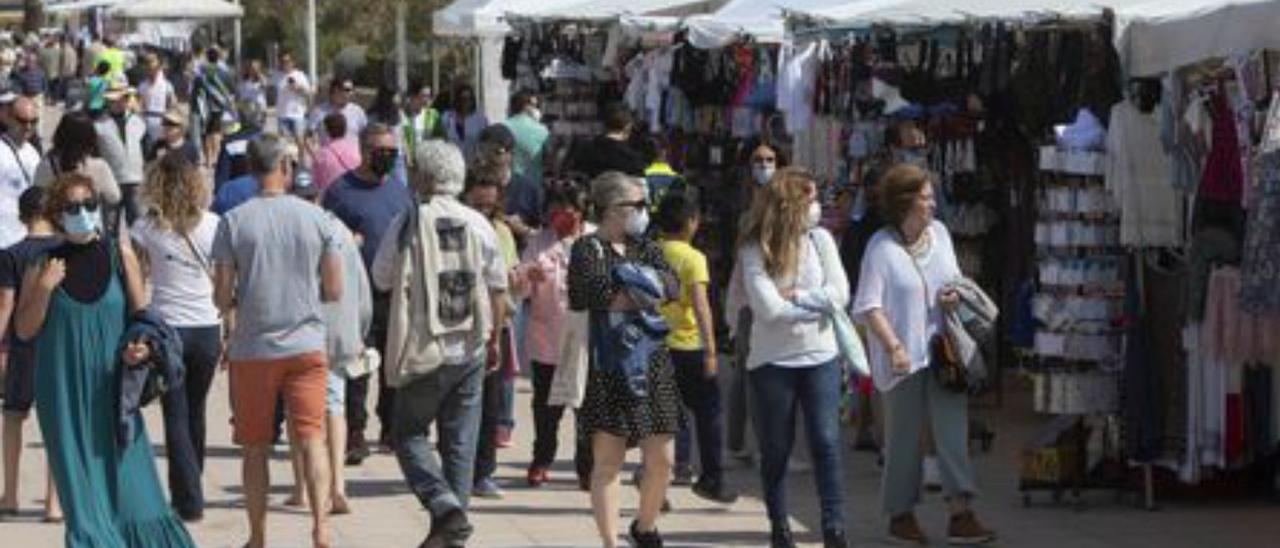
(1079, 347)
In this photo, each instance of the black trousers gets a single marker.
(184, 417)
(358, 388)
(701, 396)
(546, 418)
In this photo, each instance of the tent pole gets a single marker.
(237, 37)
(311, 43)
(402, 48)
(435, 67)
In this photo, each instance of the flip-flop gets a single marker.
(53, 519)
(8, 512)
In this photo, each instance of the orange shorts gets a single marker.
(256, 386)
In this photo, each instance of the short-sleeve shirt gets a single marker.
(234, 193)
(181, 291)
(289, 103)
(18, 163)
(276, 244)
(690, 266)
(15, 261)
(367, 208)
(356, 120)
(155, 95)
(890, 282)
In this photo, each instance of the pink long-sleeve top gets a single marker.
(548, 298)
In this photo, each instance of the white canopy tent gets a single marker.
(178, 9)
(763, 20)
(1157, 36)
(935, 12)
(610, 9)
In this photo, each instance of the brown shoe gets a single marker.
(903, 528)
(965, 530)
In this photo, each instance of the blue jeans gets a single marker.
(184, 417)
(450, 398)
(778, 393)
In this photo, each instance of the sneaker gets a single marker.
(780, 537)
(965, 530)
(356, 453)
(682, 476)
(647, 539)
(715, 491)
(451, 530)
(503, 438)
(904, 528)
(486, 488)
(834, 539)
(537, 476)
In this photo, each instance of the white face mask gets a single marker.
(815, 215)
(536, 114)
(638, 222)
(762, 173)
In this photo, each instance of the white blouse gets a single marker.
(891, 283)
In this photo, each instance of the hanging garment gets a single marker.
(1138, 176)
(796, 79)
(1223, 179)
(1260, 270)
(1231, 333)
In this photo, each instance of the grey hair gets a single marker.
(266, 152)
(609, 188)
(440, 168)
(372, 131)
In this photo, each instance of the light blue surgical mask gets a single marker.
(82, 225)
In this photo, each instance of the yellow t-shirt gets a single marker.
(690, 266)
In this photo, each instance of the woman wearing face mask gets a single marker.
(900, 297)
(793, 278)
(74, 313)
(612, 415)
(541, 278)
(763, 160)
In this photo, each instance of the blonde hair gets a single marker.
(777, 220)
(174, 193)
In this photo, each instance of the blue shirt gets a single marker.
(235, 192)
(526, 198)
(367, 208)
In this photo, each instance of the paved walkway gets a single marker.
(385, 515)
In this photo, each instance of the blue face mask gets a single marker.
(82, 225)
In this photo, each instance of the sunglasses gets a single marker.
(637, 204)
(74, 208)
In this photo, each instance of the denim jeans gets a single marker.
(701, 396)
(184, 417)
(778, 393)
(448, 397)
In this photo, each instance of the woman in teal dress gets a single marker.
(75, 315)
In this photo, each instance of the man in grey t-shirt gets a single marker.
(276, 261)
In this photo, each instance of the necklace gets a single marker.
(920, 246)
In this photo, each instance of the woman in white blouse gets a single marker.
(905, 283)
(793, 278)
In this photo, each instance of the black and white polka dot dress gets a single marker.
(608, 405)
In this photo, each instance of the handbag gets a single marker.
(848, 341)
(944, 360)
(944, 357)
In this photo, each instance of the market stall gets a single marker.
(1137, 217)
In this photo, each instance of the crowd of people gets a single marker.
(424, 253)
